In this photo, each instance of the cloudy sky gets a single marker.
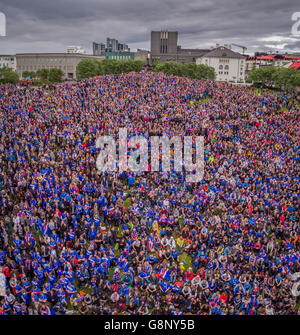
(52, 25)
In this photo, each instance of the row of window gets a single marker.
(122, 57)
(34, 67)
(223, 60)
(9, 59)
(226, 73)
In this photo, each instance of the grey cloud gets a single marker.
(41, 25)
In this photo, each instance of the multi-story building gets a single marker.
(75, 49)
(8, 61)
(113, 45)
(164, 47)
(98, 49)
(67, 62)
(123, 47)
(229, 65)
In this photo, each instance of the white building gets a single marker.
(229, 65)
(8, 61)
(75, 49)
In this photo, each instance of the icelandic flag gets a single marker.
(46, 229)
(48, 311)
(166, 275)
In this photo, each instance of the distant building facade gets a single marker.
(119, 55)
(142, 55)
(164, 47)
(113, 45)
(8, 61)
(229, 65)
(98, 49)
(67, 62)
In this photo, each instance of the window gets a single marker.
(226, 67)
(220, 67)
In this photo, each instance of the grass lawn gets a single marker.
(186, 260)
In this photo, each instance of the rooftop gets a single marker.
(223, 52)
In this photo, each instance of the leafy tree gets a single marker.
(7, 75)
(280, 78)
(191, 70)
(90, 68)
(42, 74)
(55, 75)
(87, 68)
(263, 75)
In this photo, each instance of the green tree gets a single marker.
(90, 68)
(282, 78)
(87, 68)
(55, 75)
(7, 75)
(262, 75)
(190, 70)
(42, 74)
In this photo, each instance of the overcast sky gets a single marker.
(52, 25)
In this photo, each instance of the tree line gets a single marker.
(190, 70)
(91, 68)
(54, 75)
(275, 77)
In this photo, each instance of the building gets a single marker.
(98, 49)
(67, 62)
(229, 65)
(142, 55)
(123, 47)
(269, 60)
(119, 55)
(8, 61)
(164, 47)
(75, 49)
(113, 45)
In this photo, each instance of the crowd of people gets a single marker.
(75, 240)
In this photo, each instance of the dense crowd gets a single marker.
(75, 240)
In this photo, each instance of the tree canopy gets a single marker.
(90, 68)
(191, 70)
(7, 75)
(282, 78)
